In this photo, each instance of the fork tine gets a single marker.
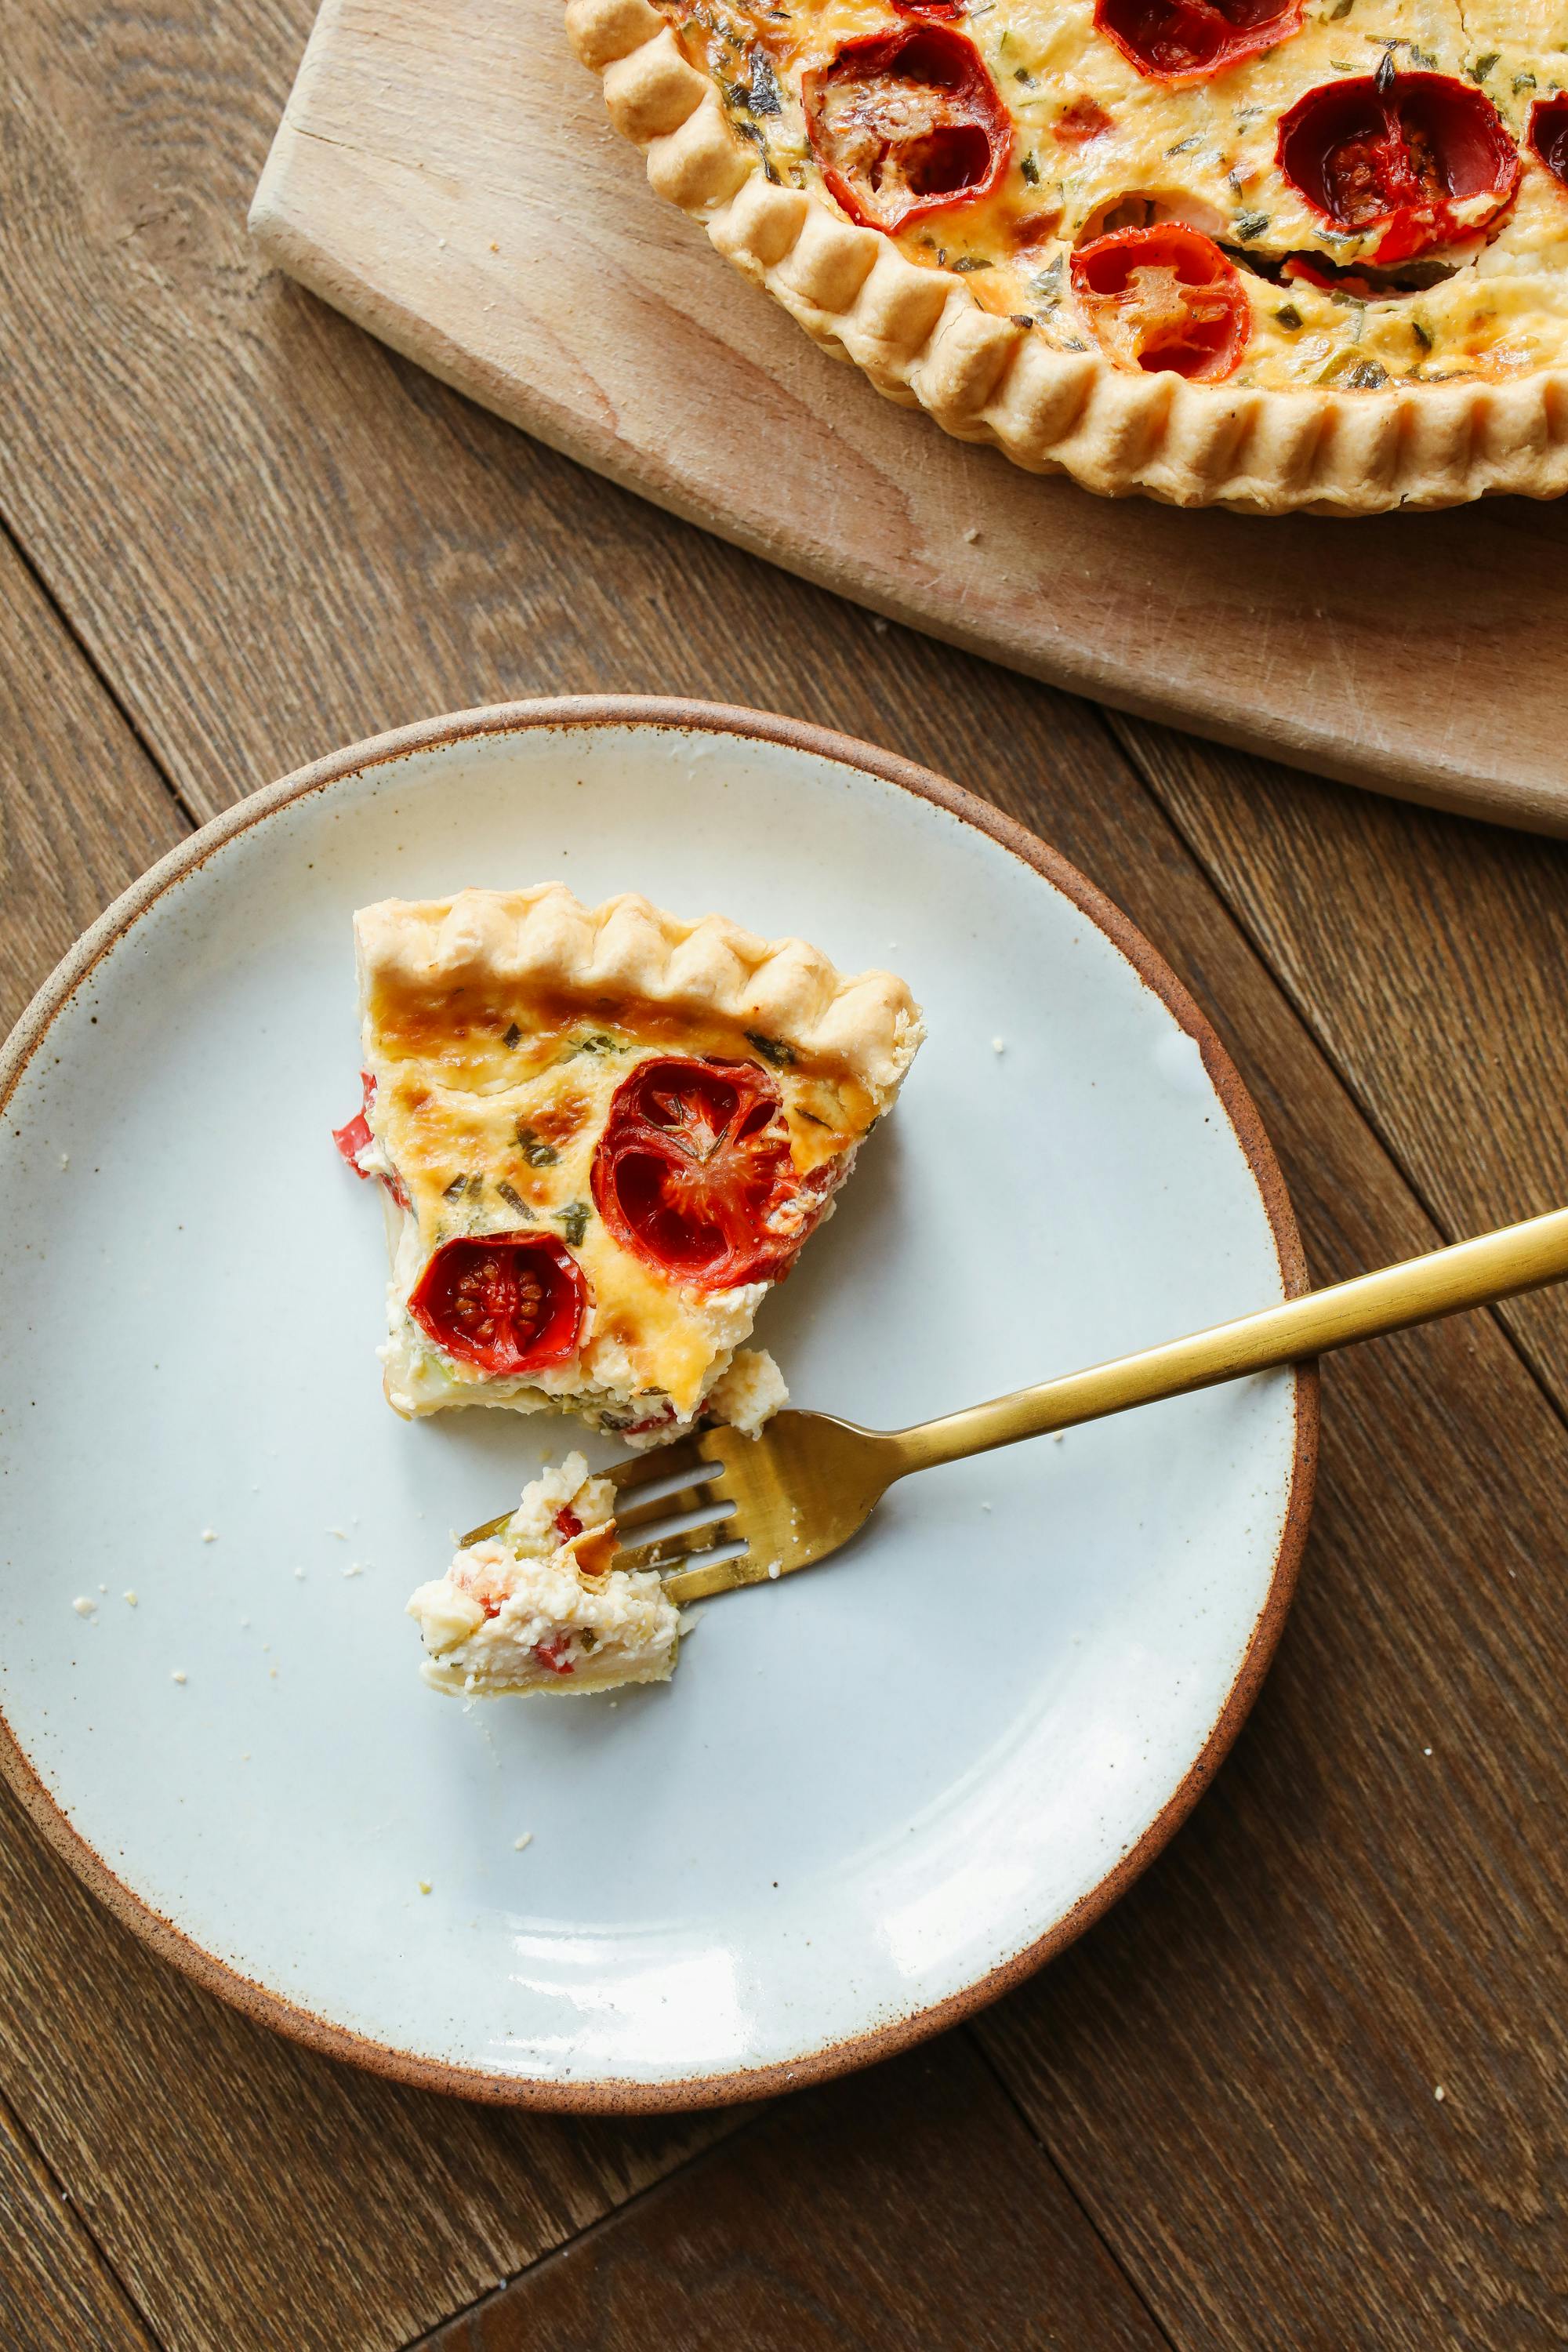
(660, 1462)
(662, 1551)
(696, 1497)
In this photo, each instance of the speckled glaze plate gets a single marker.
(874, 1796)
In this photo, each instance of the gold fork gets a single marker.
(796, 1493)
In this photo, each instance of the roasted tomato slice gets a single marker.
(1548, 134)
(907, 123)
(694, 1174)
(1422, 157)
(1188, 40)
(1164, 299)
(509, 1303)
(354, 1136)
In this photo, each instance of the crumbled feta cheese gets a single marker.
(178, 1675)
(131, 1597)
(83, 1606)
(210, 1534)
(519, 1843)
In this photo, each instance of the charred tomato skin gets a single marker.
(1214, 343)
(1547, 136)
(1396, 156)
(509, 1303)
(1182, 41)
(925, 52)
(694, 1172)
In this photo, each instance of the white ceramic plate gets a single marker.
(873, 1796)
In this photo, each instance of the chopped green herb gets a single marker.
(1342, 65)
(772, 1049)
(1021, 317)
(1421, 333)
(1030, 170)
(1340, 8)
(766, 97)
(1523, 82)
(598, 1041)
(1422, 58)
(535, 1151)
(1386, 71)
(1248, 224)
(1483, 65)
(515, 1201)
(1289, 316)
(512, 1039)
(970, 261)
(457, 1188)
(1185, 146)
(1026, 79)
(573, 1221)
(1367, 376)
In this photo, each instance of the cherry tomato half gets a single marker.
(509, 1303)
(907, 123)
(1548, 134)
(1403, 158)
(1164, 299)
(355, 1137)
(694, 1174)
(1189, 40)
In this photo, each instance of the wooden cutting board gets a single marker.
(445, 175)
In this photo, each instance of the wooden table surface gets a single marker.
(1306, 2086)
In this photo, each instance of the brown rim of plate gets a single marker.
(618, 2097)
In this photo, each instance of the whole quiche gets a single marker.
(1280, 255)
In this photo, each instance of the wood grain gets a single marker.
(273, 536)
(907, 2213)
(1429, 958)
(444, 174)
(54, 2290)
(82, 810)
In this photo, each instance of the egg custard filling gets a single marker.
(541, 1606)
(1270, 193)
(601, 1135)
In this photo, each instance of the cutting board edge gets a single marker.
(292, 246)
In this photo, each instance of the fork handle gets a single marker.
(1445, 1281)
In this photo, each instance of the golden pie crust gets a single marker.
(924, 336)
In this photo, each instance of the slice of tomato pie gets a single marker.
(602, 1133)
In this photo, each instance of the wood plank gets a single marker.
(444, 174)
(1429, 958)
(55, 2289)
(82, 810)
(910, 2208)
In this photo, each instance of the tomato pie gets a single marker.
(541, 1606)
(1278, 254)
(601, 1134)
